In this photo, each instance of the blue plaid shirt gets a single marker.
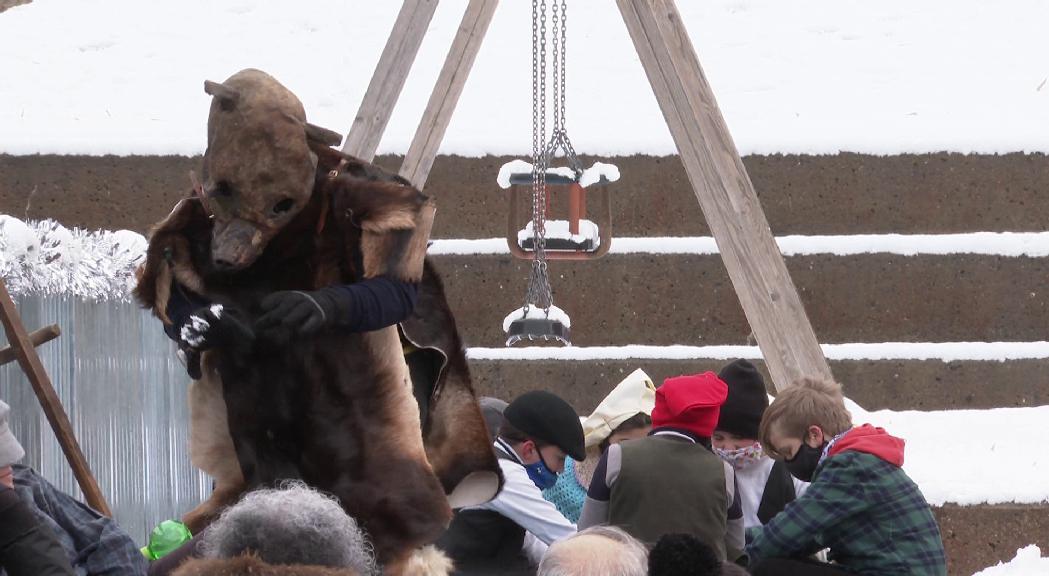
(95, 544)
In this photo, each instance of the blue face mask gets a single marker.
(540, 474)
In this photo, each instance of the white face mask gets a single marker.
(741, 458)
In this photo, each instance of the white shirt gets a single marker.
(751, 481)
(521, 501)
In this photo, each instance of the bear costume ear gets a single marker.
(323, 135)
(228, 97)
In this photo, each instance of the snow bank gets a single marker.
(820, 76)
(968, 457)
(1028, 562)
(1013, 244)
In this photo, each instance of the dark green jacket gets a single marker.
(867, 511)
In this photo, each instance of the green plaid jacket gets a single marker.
(867, 511)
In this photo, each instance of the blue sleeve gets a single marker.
(364, 306)
(374, 303)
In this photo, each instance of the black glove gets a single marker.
(190, 358)
(301, 313)
(213, 326)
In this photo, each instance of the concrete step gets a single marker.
(873, 384)
(840, 194)
(976, 537)
(688, 299)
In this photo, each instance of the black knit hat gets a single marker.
(747, 400)
(545, 416)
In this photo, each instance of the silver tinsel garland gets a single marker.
(44, 257)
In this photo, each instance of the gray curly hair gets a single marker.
(293, 524)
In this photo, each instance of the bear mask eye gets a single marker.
(222, 189)
(283, 206)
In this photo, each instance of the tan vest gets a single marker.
(670, 485)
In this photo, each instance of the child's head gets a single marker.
(740, 419)
(622, 415)
(637, 426)
(812, 411)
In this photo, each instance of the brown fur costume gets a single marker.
(335, 409)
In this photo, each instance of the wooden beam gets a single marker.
(388, 79)
(445, 96)
(36, 338)
(725, 193)
(49, 401)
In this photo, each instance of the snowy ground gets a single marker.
(1028, 562)
(125, 76)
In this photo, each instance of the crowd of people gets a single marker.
(700, 476)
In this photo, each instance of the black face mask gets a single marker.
(803, 465)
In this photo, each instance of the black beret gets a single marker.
(545, 416)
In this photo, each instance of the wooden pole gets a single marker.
(49, 401)
(36, 338)
(457, 65)
(388, 79)
(724, 191)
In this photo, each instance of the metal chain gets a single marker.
(539, 293)
(559, 136)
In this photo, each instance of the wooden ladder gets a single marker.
(23, 349)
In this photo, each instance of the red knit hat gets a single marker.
(690, 403)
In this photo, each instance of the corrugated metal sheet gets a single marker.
(125, 392)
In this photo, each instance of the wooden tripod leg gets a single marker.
(49, 401)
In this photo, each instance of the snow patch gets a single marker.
(216, 310)
(1027, 562)
(509, 169)
(599, 172)
(19, 244)
(513, 167)
(534, 312)
(559, 229)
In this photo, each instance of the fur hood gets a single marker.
(252, 566)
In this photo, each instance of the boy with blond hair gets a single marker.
(860, 503)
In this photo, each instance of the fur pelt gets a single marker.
(251, 566)
(336, 410)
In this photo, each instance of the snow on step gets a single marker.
(943, 351)
(1013, 244)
